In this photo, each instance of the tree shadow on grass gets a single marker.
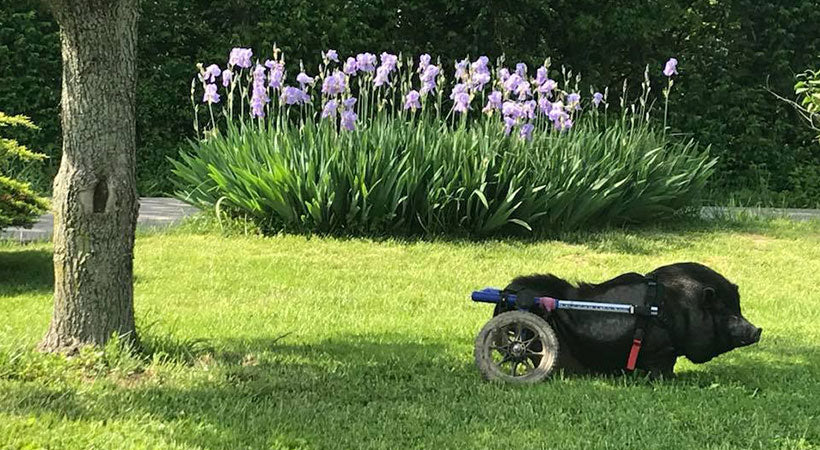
(662, 237)
(390, 391)
(679, 232)
(759, 367)
(25, 271)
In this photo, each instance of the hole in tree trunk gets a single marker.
(101, 195)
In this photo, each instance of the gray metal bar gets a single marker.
(597, 306)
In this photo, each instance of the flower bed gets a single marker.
(388, 144)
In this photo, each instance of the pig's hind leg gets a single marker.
(662, 367)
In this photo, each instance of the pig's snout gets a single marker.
(756, 335)
(744, 333)
(752, 336)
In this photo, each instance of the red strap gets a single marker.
(633, 354)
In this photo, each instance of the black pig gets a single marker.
(700, 319)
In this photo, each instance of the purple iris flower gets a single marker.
(259, 97)
(430, 73)
(304, 79)
(493, 101)
(277, 74)
(349, 102)
(334, 84)
(294, 96)
(541, 76)
(563, 124)
(424, 61)
(544, 105)
(547, 86)
(557, 111)
(479, 80)
(523, 90)
(329, 109)
(211, 73)
(560, 119)
(428, 79)
(597, 98)
(480, 65)
(240, 57)
(382, 74)
(479, 73)
(509, 123)
(411, 100)
(521, 69)
(461, 69)
(671, 67)
(512, 109)
(227, 76)
(349, 120)
(366, 62)
(528, 109)
(503, 74)
(526, 131)
(460, 88)
(257, 107)
(211, 96)
(350, 67)
(573, 101)
(331, 55)
(462, 102)
(389, 61)
(512, 82)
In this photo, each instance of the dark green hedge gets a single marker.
(728, 51)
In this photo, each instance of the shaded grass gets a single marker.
(377, 347)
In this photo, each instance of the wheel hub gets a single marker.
(518, 349)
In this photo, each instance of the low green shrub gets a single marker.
(419, 177)
(19, 205)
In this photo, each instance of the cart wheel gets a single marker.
(516, 346)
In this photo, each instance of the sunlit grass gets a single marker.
(296, 342)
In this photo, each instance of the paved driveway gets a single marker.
(160, 212)
(154, 212)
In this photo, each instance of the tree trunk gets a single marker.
(95, 200)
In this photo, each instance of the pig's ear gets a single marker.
(708, 297)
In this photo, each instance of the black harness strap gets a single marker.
(654, 296)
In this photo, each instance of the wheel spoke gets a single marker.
(505, 359)
(500, 348)
(502, 339)
(514, 368)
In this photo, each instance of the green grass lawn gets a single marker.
(295, 342)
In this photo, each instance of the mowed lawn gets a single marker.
(297, 342)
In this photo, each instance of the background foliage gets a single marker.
(730, 51)
(808, 92)
(19, 205)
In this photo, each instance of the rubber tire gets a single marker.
(483, 354)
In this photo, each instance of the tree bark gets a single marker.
(95, 199)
